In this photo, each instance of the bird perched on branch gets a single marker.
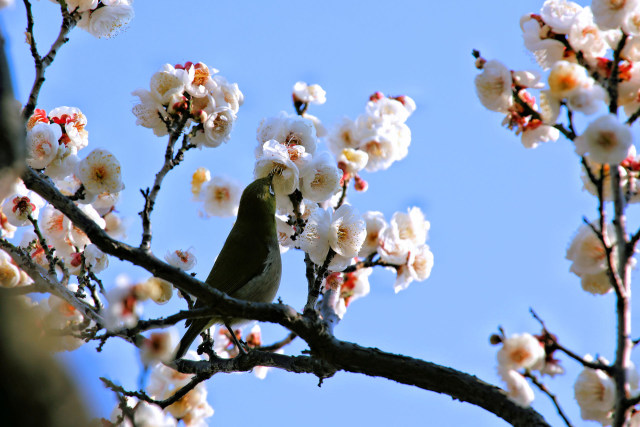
(248, 266)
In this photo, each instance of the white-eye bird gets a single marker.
(248, 266)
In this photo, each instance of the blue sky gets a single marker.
(501, 216)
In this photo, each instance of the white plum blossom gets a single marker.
(352, 161)
(527, 79)
(559, 14)
(418, 267)
(77, 237)
(518, 389)
(81, 5)
(217, 128)
(42, 144)
(343, 231)
(275, 159)
(285, 232)
(605, 140)
(375, 225)
(493, 86)
(105, 203)
(227, 94)
(149, 415)
(412, 226)
(193, 408)
(631, 50)
(597, 284)
(314, 240)
(200, 83)
(345, 136)
(18, 207)
(594, 391)
(565, 78)
(159, 347)
(289, 131)
(64, 164)
(95, 258)
(380, 150)
(158, 290)
(309, 94)
(586, 252)
(123, 309)
(532, 136)
(100, 172)
(354, 286)
(320, 179)
(611, 14)
(9, 272)
(631, 24)
(520, 351)
(220, 196)
(387, 109)
(150, 112)
(164, 382)
(107, 21)
(587, 99)
(586, 37)
(115, 226)
(167, 82)
(184, 260)
(535, 33)
(73, 123)
(347, 231)
(597, 169)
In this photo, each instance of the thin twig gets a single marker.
(345, 185)
(314, 290)
(278, 344)
(170, 162)
(543, 388)
(557, 346)
(69, 21)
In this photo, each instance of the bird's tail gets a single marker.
(197, 326)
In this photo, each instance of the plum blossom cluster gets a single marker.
(591, 57)
(141, 414)
(589, 258)
(400, 244)
(524, 352)
(376, 138)
(220, 195)
(195, 96)
(224, 346)
(102, 18)
(350, 286)
(125, 300)
(192, 409)
(164, 382)
(287, 150)
(594, 391)
(53, 141)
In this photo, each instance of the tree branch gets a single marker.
(69, 21)
(339, 354)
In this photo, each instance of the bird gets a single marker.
(249, 265)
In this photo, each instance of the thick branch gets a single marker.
(339, 354)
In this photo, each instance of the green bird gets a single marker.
(248, 266)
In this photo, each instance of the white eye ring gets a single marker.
(271, 191)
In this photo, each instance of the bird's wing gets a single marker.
(234, 266)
